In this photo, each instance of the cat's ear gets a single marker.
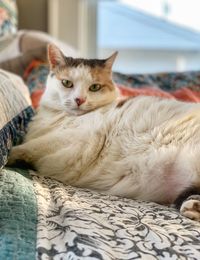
(109, 61)
(55, 56)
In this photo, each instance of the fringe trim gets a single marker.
(13, 132)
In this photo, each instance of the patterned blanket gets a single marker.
(41, 218)
(183, 86)
(45, 219)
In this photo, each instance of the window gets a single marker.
(151, 35)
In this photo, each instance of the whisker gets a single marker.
(68, 103)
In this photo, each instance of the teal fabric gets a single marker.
(18, 215)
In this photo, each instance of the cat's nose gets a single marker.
(80, 101)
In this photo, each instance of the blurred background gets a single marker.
(150, 35)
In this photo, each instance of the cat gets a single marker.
(144, 148)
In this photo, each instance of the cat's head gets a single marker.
(78, 86)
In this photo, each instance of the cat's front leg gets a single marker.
(20, 153)
(30, 152)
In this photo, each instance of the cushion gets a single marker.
(8, 18)
(18, 64)
(15, 112)
(182, 86)
(28, 40)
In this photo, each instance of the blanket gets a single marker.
(18, 215)
(182, 86)
(42, 218)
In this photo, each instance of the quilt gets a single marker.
(42, 218)
(184, 86)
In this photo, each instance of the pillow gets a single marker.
(8, 18)
(18, 64)
(15, 112)
(28, 40)
(31, 39)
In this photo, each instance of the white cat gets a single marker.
(146, 147)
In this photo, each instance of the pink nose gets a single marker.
(80, 101)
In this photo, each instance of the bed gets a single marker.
(41, 218)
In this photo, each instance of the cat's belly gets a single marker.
(159, 177)
(141, 170)
(133, 156)
(135, 168)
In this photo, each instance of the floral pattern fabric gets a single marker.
(8, 17)
(183, 86)
(36, 73)
(77, 224)
(165, 81)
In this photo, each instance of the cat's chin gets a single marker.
(76, 112)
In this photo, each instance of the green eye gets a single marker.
(95, 87)
(67, 83)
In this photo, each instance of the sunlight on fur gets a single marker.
(145, 148)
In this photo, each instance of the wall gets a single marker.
(33, 14)
(63, 20)
(74, 22)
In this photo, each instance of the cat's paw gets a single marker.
(191, 208)
(16, 154)
(12, 158)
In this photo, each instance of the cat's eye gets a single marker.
(67, 83)
(95, 87)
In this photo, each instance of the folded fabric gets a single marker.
(15, 112)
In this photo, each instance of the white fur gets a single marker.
(61, 98)
(148, 149)
(191, 209)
